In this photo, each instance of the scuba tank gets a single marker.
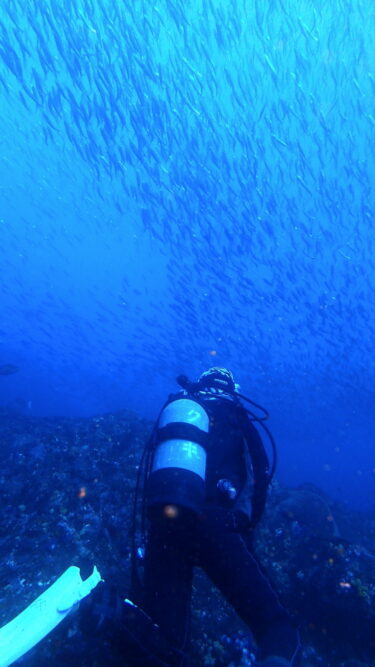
(176, 481)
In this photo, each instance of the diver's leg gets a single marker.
(168, 571)
(228, 560)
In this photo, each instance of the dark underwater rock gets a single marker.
(326, 579)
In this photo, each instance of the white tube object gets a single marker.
(42, 615)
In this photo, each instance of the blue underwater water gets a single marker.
(187, 184)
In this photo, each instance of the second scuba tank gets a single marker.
(178, 466)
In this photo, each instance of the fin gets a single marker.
(42, 615)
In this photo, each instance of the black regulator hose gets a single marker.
(272, 441)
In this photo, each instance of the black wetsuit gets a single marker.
(220, 542)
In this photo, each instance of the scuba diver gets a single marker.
(202, 488)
